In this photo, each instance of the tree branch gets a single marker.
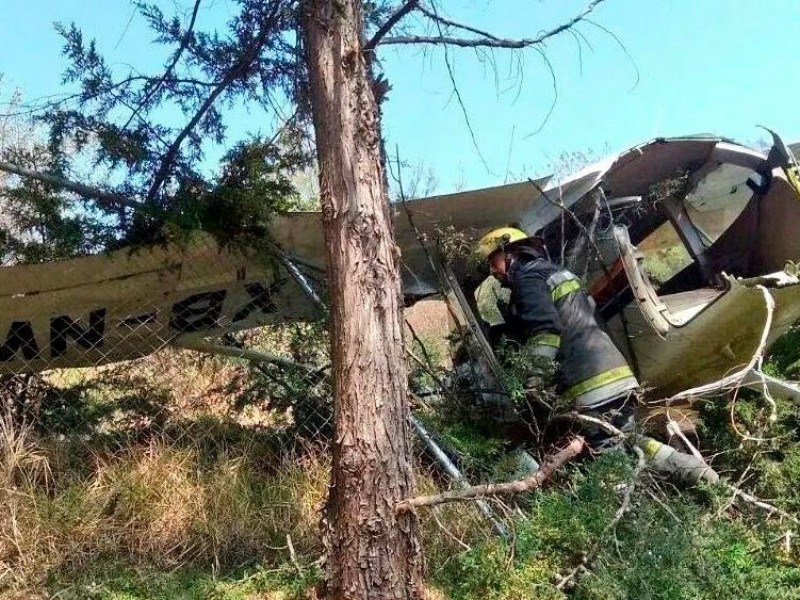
(770, 508)
(555, 462)
(110, 200)
(490, 41)
(184, 43)
(444, 21)
(250, 54)
(401, 12)
(460, 100)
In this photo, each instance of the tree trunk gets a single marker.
(373, 552)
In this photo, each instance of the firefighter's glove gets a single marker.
(540, 373)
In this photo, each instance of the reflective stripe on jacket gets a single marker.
(550, 313)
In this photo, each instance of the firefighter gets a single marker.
(550, 314)
(554, 318)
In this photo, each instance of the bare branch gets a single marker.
(576, 220)
(401, 12)
(555, 93)
(490, 42)
(184, 43)
(444, 21)
(622, 46)
(108, 199)
(555, 462)
(750, 499)
(601, 423)
(462, 106)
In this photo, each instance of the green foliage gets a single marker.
(784, 358)
(663, 264)
(147, 136)
(559, 525)
(300, 399)
(662, 556)
(668, 548)
(39, 222)
(110, 581)
(236, 209)
(475, 452)
(118, 125)
(520, 364)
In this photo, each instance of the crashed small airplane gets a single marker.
(686, 245)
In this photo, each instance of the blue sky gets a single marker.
(720, 66)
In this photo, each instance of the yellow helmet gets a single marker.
(498, 239)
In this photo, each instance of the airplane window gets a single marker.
(664, 254)
(719, 199)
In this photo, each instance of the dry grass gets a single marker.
(155, 467)
(162, 504)
(205, 501)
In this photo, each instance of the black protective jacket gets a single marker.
(550, 313)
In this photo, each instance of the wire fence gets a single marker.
(172, 405)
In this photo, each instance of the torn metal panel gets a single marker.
(720, 338)
(777, 387)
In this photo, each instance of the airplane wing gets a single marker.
(129, 303)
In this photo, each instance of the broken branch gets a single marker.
(604, 425)
(111, 200)
(770, 508)
(555, 462)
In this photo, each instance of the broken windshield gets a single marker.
(718, 199)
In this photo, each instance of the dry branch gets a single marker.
(108, 199)
(576, 220)
(555, 462)
(602, 424)
(487, 41)
(770, 508)
(444, 21)
(293, 555)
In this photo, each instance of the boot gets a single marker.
(684, 467)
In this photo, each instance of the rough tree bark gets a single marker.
(373, 552)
